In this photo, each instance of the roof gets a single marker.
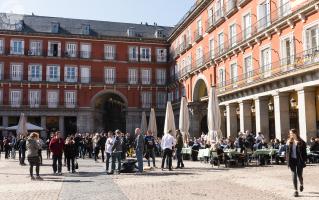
(67, 26)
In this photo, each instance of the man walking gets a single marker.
(167, 144)
(56, 146)
(150, 146)
(116, 152)
(179, 146)
(139, 142)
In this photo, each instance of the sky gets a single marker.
(163, 12)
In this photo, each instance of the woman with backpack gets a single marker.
(33, 155)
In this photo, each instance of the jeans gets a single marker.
(96, 153)
(151, 154)
(179, 157)
(116, 156)
(296, 172)
(22, 156)
(108, 156)
(102, 152)
(139, 157)
(13, 153)
(70, 163)
(167, 153)
(40, 155)
(57, 158)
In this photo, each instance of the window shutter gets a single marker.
(150, 54)
(59, 49)
(76, 74)
(58, 74)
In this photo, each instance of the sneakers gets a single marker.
(32, 178)
(60, 173)
(296, 194)
(301, 188)
(39, 178)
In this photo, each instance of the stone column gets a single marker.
(245, 116)
(5, 123)
(231, 120)
(222, 121)
(44, 126)
(281, 113)
(61, 125)
(307, 113)
(262, 116)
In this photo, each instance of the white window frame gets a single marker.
(15, 103)
(146, 78)
(233, 77)
(263, 24)
(53, 104)
(199, 56)
(87, 78)
(51, 51)
(2, 45)
(221, 80)
(109, 51)
(51, 78)
(146, 99)
(285, 8)
(143, 55)
(34, 98)
(265, 71)
(16, 75)
(248, 74)
(211, 45)
(161, 54)
(35, 48)
(133, 77)
(109, 75)
(71, 49)
(221, 45)
(68, 77)
(70, 98)
(161, 76)
(287, 63)
(199, 26)
(232, 38)
(132, 56)
(18, 50)
(161, 99)
(311, 52)
(85, 53)
(247, 28)
(34, 77)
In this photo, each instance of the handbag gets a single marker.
(76, 165)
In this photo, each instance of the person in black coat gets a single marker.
(70, 153)
(296, 158)
(22, 149)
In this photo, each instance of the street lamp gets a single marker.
(237, 111)
(225, 113)
(293, 103)
(271, 106)
(253, 109)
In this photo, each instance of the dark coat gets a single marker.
(179, 142)
(70, 150)
(301, 151)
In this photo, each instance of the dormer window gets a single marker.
(86, 29)
(55, 27)
(159, 33)
(131, 32)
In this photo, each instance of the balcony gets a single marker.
(210, 24)
(182, 48)
(286, 67)
(231, 8)
(109, 56)
(16, 51)
(219, 17)
(133, 57)
(242, 3)
(198, 34)
(35, 52)
(25, 105)
(85, 54)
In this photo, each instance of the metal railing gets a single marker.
(38, 104)
(231, 5)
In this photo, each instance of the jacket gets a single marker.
(33, 148)
(117, 146)
(179, 141)
(70, 150)
(301, 151)
(56, 146)
(139, 142)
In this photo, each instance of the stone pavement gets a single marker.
(197, 181)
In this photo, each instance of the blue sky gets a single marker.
(164, 12)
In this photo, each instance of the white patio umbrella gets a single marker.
(29, 127)
(169, 119)
(144, 123)
(213, 117)
(22, 125)
(152, 123)
(184, 120)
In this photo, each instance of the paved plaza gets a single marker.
(197, 181)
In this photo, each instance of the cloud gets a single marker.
(14, 6)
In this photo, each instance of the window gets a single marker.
(17, 47)
(233, 73)
(109, 74)
(1, 71)
(85, 74)
(54, 49)
(199, 56)
(71, 50)
(160, 76)
(232, 35)
(1, 97)
(222, 77)
(161, 99)
(146, 76)
(132, 76)
(189, 63)
(219, 9)
(131, 32)
(70, 99)
(161, 55)
(55, 27)
(35, 72)
(53, 98)
(287, 52)
(109, 52)
(211, 47)
(284, 7)
(189, 37)
(34, 98)
(159, 33)
(263, 15)
(133, 53)
(53, 73)
(312, 39)
(266, 62)
(15, 98)
(199, 28)
(1, 46)
(248, 68)
(220, 43)
(35, 48)
(145, 54)
(247, 26)
(16, 72)
(86, 29)
(70, 74)
(85, 50)
(146, 99)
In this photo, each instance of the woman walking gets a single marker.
(70, 153)
(296, 158)
(33, 155)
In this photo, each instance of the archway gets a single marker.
(109, 111)
(200, 90)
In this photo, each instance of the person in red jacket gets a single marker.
(56, 146)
